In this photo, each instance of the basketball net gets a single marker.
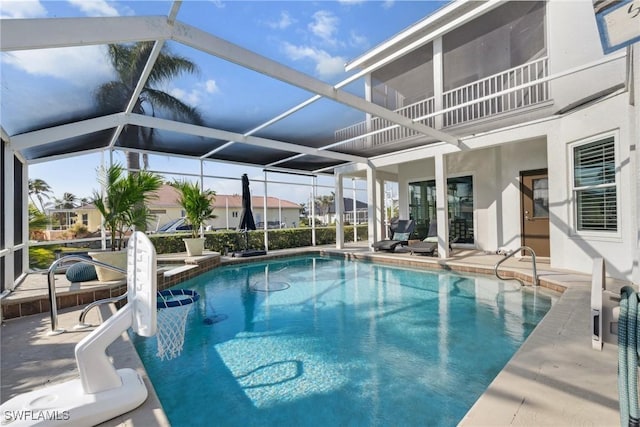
(171, 328)
(173, 309)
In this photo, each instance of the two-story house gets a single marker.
(543, 131)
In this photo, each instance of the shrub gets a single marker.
(278, 239)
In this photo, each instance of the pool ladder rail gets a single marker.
(51, 282)
(536, 280)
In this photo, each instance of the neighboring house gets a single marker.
(361, 214)
(548, 163)
(227, 209)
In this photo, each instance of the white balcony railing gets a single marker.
(380, 131)
(376, 131)
(508, 79)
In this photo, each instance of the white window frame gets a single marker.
(595, 234)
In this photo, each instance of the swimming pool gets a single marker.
(343, 343)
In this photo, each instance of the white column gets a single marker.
(201, 174)
(634, 50)
(438, 81)
(313, 210)
(372, 207)
(338, 202)
(380, 209)
(442, 212)
(355, 211)
(8, 216)
(25, 216)
(266, 233)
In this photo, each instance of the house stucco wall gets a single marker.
(572, 41)
(570, 249)
(496, 192)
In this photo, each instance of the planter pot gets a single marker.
(115, 258)
(194, 246)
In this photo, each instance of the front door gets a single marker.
(534, 190)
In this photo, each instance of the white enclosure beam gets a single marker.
(23, 34)
(70, 130)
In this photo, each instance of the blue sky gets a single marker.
(315, 37)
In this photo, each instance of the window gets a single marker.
(85, 219)
(594, 186)
(234, 214)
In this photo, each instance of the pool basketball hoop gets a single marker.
(173, 308)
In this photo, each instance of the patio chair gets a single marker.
(428, 246)
(400, 232)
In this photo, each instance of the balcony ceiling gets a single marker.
(45, 117)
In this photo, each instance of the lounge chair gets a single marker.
(428, 246)
(400, 232)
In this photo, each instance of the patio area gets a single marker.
(554, 379)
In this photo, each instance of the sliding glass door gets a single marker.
(422, 207)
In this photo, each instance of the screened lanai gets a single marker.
(104, 110)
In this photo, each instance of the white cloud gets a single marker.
(350, 2)
(94, 7)
(65, 63)
(325, 65)
(358, 40)
(284, 22)
(191, 97)
(325, 26)
(20, 9)
(211, 86)
(218, 3)
(388, 4)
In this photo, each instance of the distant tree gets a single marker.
(41, 190)
(325, 202)
(129, 62)
(37, 221)
(67, 201)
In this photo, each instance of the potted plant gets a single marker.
(122, 205)
(197, 206)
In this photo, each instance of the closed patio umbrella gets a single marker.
(246, 220)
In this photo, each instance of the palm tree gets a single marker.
(40, 189)
(124, 202)
(129, 61)
(67, 201)
(325, 202)
(196, 204)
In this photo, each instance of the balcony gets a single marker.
(380, 131)
(518, 81)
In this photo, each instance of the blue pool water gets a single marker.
(346, 343)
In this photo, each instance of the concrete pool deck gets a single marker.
(555, 378)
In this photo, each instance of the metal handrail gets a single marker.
(81, 324)
(51, 281)
(536, 281)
